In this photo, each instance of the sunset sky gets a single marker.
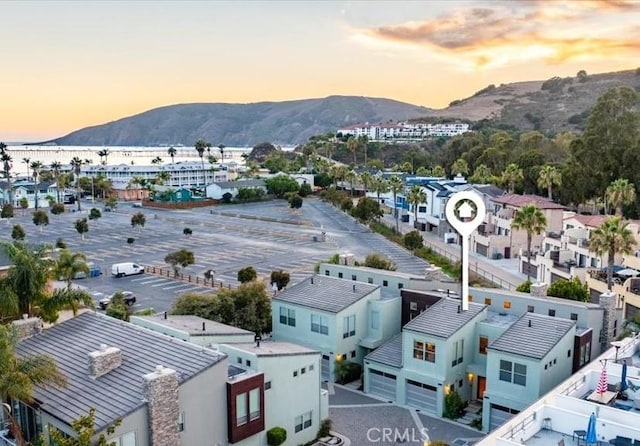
(68, 65)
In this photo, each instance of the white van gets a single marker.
(126, 269)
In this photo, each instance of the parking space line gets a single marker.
(189, 289)
(153, 281)
(164, 282)
(174, 286)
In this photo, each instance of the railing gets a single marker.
(574, 385)
(521, 426)
(197, 280)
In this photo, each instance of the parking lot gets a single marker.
(268, 236)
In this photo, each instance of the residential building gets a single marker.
(27, 189)
(168, 194)
(342, 319)
(404, 131)
(559, 415)
(194, 329)
(217, 190)
(158, 386)
(288, 369)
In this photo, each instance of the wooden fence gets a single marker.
(196, 280)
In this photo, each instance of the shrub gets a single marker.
(57, 209)
(280, 278)
(187, 231)
(413, 240)
(305, 189)
(17, 233)
(247, 274)
(7, 211)
(569, 289)
(60, 243)
(477, 423)
(524, 287)
(453, 406)
(325, 428)
(347, 371)
(486, 89)
(346, 204)
(226, 198)
(295, 201)
(130, 240)
(378, 261)
(276, 436)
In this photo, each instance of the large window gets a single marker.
(303, 421)
(241, 409)
(513, 372)
(128, 439)
(458, 353)
(585, 353)
(319, 324)
(425, 351)
(375, 320)
(288, 316)
(349, 326)
(247, 406)
(254, 404)
(483, 344)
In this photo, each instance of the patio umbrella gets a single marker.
(602, 382)
(591, 437)
(623, 379)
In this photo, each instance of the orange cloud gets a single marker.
(551, 32)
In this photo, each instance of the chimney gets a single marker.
(27, 326)
(160, 389)
(104, 360)
(607, 302)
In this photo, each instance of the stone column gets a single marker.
(27, 327)
(104, 360)
(608, 301)
(160, 389)
(539, 289)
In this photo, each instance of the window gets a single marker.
(385, 283)
(530, 309)
(239, 361)
(506, 304)
(295, 373)
(400, 286)
(353, 353)
(574, 316)
(181, 422)
(288, 316)
(413, 306)
(254, 404)
(487, 301)
(303, 421)
(267, 385)
(370, 280)
(349, 326)
(513, 372)
(483, 344)
(326, 272)
(458, 353)
(568, 353)
(552, 312)
(319, 324)
(585, 353)
(248, 363)
(311, 367)
(303, 370)
(375, 320)
(424, 351)
(422, 209)
(128, 439)
(241, 409)
(339, 275)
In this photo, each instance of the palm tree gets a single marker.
(611, 238)
(366, 179)
(415, 196)
(380, 186)
(363, 141)
(548, 177)
(512, 173)
(35, 171)
(6, 168)
(104, 153)
(162, 177)
(201, 146)
(460, 166)
(77, 163)
(55, 168)
(221, 147)
(69, 264)
(352, 146)
(27, 161)
(531, 219)
(481, 174)
(156, 160)
(172, 153)
(620, 193)
(395, 184)
(438, 171)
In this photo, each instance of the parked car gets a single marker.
(129, 299)
(137, 205)
(126, 269)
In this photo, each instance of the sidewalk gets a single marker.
(503, 273)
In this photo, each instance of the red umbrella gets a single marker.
(602, 382)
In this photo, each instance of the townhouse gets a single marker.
(404, 130)
(27, 190)
(218, 189)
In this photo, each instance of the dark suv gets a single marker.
(129, 299)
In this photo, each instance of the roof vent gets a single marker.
(203, 327)
(458, 308)
(529, 322)
(354, 287)
(312, 281)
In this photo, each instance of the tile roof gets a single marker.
(442, 319)
(533, 341)
(592, 221)
(519, 201)
(389, 353)
(119, 392)
(326, 293)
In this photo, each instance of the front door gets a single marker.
(482, 386)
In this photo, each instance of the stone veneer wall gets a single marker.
(104, 360)
(608, 303)
(27, 327)
(539, 289)
(160, 389)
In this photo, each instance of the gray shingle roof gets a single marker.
(326, 293)
(535, 341)
(240, 184)
(442, 319)
(389, 353)
(118, 392)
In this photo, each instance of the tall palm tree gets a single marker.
(162, 177)
(69, 264)
(611, 237)
(156, 160)
(352, 146)
(460, 166)
(415, 196)
(27, 161)
(531, 219)
(201, 146)
(77, 163)
(512, 174)
(620, 193)
(172, 153)
(6, 168)
(548, 177)
(363, 141)
(221, 147)
(55, 168)
(35, 171)
(481, 174)
(104, 153)
(351, 177)
(395, 184)
(438, 171)
(366, 179)
(380, 186)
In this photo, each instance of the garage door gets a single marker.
(326, 368)
(422, 396)
(382, 384)
(500, 415)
